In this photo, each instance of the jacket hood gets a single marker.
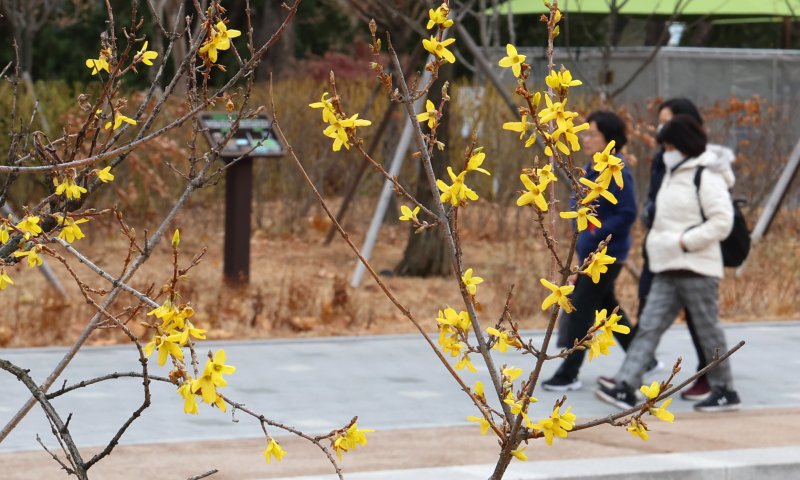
(719, 159)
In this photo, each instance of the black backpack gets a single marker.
(737, 245)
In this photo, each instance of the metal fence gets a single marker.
(705, 75)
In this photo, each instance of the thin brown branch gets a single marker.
(405, 311)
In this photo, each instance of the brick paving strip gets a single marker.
(418, 448)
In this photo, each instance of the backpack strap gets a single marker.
(698, 174)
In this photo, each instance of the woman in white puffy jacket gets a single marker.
(684, 252)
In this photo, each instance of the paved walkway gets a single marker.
(395, 386)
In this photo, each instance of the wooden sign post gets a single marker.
(253, 138)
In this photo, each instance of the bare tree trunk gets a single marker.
(426, 253)
(278, 59)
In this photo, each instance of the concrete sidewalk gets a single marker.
(396, 386)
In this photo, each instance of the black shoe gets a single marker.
(621, 396)
(720, 400)
(561, 384)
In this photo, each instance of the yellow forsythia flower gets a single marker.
(557, 295)
(68, 188)
(408, 214)
(146, 56)
(328, 113)
(439, 49)
(337, 130)
(611, 323)
(220, 40)
(555, 425)
(596, 190)
(556, 111)
(662, 413)
(471, 282)
(98, 64)
(439, 17)
(104, 175)
(458, 192)
(519, 455)
(34, 260)
(561, 81)
(599, 264)
(166, 345)
(652, 391)
(70, 230)
(30, 226)
(430, 114)
(482, 422)
(638, 428)
(511, 373)
(599, 345)
(5, 280)
(189, 400)
(534, 194)
(513, 60)
(475, 161)
(582, 216)
(352, 438)
(274, 450)
(118, 119)
(503, 341)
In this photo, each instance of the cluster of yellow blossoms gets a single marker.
(605, 326)
(175, 332)
(219, 39)
(556, 425)
(103, 63)
(435, 45)
(29, 227)
(350, 439)
(338, 125)
(637, 427)
(457, 192)
(65, 185)
(453, 333)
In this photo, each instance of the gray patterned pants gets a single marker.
(700, 296)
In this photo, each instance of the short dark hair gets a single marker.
(684, 133)
(611, 126)
(682, 105)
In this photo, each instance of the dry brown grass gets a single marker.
(300, 287)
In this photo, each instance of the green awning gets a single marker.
(753, 8)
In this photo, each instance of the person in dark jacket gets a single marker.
(616, 220)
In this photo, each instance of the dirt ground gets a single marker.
(300, 287)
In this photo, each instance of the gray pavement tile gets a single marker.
(390, 382)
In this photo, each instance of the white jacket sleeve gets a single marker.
(718, 209)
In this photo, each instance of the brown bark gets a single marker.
(426, 253)
(279, 59)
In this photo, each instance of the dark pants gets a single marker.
(587, 298)
(645, 282)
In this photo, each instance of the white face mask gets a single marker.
(672, 158)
